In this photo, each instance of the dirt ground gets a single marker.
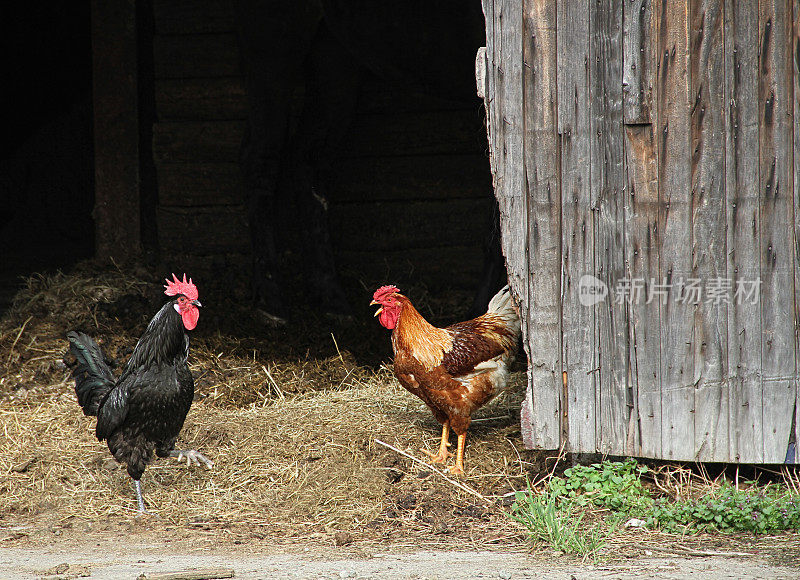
(295, 419)
(104, 557)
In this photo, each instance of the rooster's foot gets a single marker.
(192, 457)
(456, 470)
(440, 457)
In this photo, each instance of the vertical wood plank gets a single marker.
(796, 205)
(675, 227)
(542, 412)
(579, 347)
(505, 121)
(116, 130)
(511, 187)
(742, 208)
(637, 86)
(777, 251)
(707, 86)
(644, 431)
(608, 189)
(643, 234)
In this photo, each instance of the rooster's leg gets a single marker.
(443, 454)
(458, 468)
(192, 457)
(139, 500)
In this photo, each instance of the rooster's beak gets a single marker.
(196, 302)
(376, 303)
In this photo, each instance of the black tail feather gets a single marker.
(93, 378)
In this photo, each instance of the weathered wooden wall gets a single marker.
(413, 191)
(655, 144)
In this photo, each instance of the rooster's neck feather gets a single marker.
(427, 343)
(164, 341)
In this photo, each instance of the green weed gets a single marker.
(556, 514)
(558, 523)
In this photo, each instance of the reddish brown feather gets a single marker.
(435, 364)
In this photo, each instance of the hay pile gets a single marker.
(291, 429)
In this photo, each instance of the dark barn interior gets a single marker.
(46, 169)
(405, 173)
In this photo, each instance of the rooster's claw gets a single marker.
(192, 457)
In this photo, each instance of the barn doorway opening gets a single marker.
(46, 156)
(396, 148)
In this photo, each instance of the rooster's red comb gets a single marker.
(176, 287)
(384, 291)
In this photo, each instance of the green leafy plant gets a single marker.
(556, 515)
(616, 485)
(760, 510)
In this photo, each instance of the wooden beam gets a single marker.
(116, 130)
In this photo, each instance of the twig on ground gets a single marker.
(552, 471)
(199, 574)
(458, 484)
(21, 330)
(677, 548)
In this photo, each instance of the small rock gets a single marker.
(23, 467)
(342, 538)
(504, 575)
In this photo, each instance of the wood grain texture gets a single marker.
(776, 202)
(675, 261)
(743, 237)
(542, 178)
(643, 240)
(796, 206)
(637, 69)
(579, 345)
(613, 398)
(709, 224)
(661, 149)
(644, 429)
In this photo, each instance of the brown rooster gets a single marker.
(454, 370)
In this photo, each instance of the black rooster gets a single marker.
(144, 410)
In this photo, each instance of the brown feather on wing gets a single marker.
(474, 341)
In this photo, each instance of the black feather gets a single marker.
(144, 410)
(93, 378)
